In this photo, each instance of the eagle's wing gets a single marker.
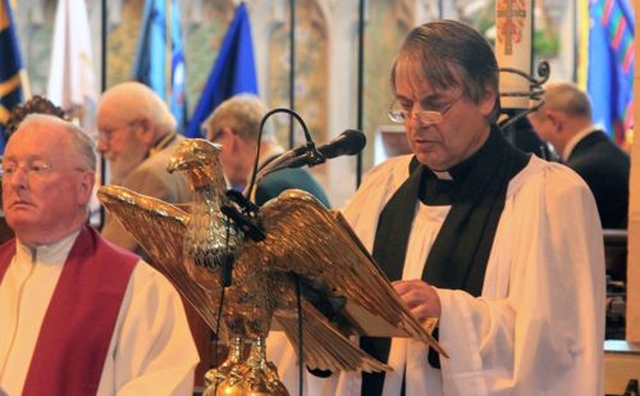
(302, 236)
(159, 228)
(324, 347)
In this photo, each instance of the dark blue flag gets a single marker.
(10, 66)
(234, 71)
(151, 56)
(611, 66)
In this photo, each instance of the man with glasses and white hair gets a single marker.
(503, 248)
(79, 315)
(136, 136)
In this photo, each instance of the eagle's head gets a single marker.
(199, 159)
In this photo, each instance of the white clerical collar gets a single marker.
(443, 175)
(53, 253)
(575, 140)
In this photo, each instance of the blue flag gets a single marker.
(10, 66)
(611, 66)
(154, 48)
(178, 94)
(234, 71)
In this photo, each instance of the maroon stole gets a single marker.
(77, 328)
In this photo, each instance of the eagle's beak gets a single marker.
(175, 163)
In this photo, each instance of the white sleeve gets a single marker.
(152, 351)
(538, 327)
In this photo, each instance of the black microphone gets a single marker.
(349, 142)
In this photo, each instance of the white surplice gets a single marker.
(151, 350)
(538, 326)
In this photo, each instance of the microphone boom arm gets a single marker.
(348, 142)
(250, 190)
(312, 157)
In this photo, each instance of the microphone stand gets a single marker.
(315, 157)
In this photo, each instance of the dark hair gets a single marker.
(451, 53)
(35, 105)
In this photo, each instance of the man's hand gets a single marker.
(420, 297)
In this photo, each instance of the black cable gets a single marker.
(221, 305)
(218, 320)
(300, 334)
(103, 86)
(307, 136)
(360, 86)
(292, 65)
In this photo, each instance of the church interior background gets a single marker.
(326, 53)
(327, 92)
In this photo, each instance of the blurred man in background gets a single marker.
(235, 125)
(565, 121)
(136, 136)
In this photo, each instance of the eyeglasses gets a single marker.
(33, 169)
(216, 136)
(206, 131)
(430, 117)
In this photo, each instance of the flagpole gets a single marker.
(26, 86)
(168, 24)
(292, 68)
(103, 87)
(24, 73)
(360, 121)
(574, 31)
(103, 47)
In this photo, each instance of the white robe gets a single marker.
(537, 328)
(151, 350)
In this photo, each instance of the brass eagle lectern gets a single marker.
(246, 265)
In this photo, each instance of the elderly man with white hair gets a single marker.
(79, 315)
(137, 135)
